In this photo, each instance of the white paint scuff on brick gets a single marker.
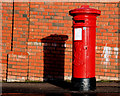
(107, 53)
(36, 43)
(22, 57)
(116, 51)
(115, 48)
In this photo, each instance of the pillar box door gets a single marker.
(84, 38)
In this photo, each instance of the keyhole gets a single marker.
(85, 47)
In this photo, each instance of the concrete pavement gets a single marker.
(57, 88)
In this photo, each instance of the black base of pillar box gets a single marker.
(84, 84)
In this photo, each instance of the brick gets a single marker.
(51, 13)
(7, 4)
(43, 27)
(109, 74)
(58, 3)
(7, 8)
(108, 34)
(68, 4)
(51, 6)
(48, 17)
(39, 17)
(17, 19)
(58, 24)
(53, 28)
(18, 53)
(112, 38)
(34, 13)
(99, 4)
(39, 3)
(34, 6)
(109, 12)
(103, 8)
(107, 27)
(22, 4)
(58, 17)
(48, 10)
(111, 5)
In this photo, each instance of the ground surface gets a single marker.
(57, 89)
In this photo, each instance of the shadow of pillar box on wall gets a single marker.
(54, 54)
(84, 38)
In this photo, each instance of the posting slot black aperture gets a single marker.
(79, 21)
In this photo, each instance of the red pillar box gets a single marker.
(84, 38)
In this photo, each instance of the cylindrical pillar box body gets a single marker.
(84, 39)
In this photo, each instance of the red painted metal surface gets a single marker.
(84, 21)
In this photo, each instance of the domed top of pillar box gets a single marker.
(85, 9)
(84, 16)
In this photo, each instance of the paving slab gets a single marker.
(60, 89)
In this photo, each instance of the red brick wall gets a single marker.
(42, 40)
(6, 34)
